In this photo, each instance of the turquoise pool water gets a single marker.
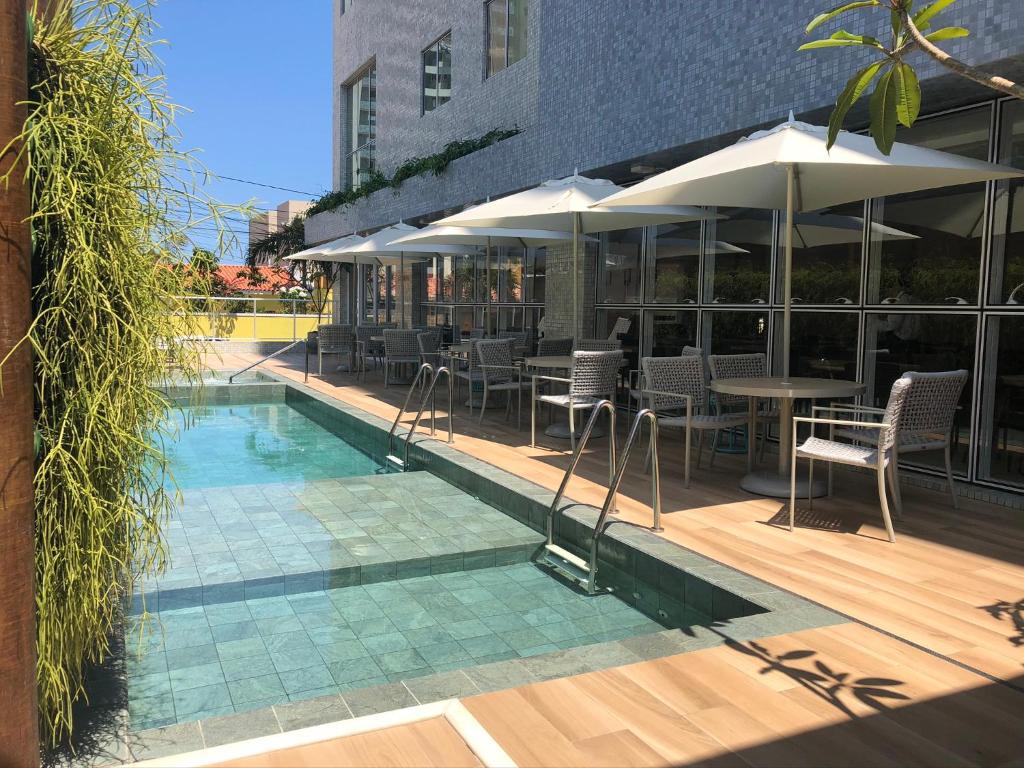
(228, 445)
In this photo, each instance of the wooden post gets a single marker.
(19, 723)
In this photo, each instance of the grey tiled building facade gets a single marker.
(620, 90)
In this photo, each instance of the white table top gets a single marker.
(794, 387)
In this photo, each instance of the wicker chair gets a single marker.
(332, 340)
(750, 366)
(593, 378)
(477, 333)
(521, 340)
(400, 348)
(675, 384)
(501, 373)
(635, 380)
(926, 423)
(597, 345)
(366, 348)
(554, 347)
(620, 328)
(467, 370)
(881, 456)
(429, 343)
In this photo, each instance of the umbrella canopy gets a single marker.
(378, 246)
(789, 167)
(570, 204)
(452, 235)
(328, 251)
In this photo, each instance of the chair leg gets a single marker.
(319, 359)
(686, 457)
(700, 447)
(885, 505)
(830, 479)
(533, 417)
(519, 410)
(810, 484)
(572, 429)
(714, 448)
(792, 487)
(483, 406)
(949, 476)
(894, 488)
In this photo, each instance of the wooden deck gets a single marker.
(940, 616)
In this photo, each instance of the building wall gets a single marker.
(603, 82)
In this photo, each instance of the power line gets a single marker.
(215, 175)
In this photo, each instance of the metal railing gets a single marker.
(281, 351)
(426, 372)
(604, 405)
(613, 488)
(267, 317)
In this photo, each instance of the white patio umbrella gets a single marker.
(570, 204)
(810, 230)
(329, 252)
(378, 246)
(789, 167)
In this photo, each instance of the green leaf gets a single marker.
(946, 33)
(821, 18)
(849, 96)
(922, 19)
(840, 39)
(908, 94)
(883, 113)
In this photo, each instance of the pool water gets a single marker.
(233, 657)
(230, 445)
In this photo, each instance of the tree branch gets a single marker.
(994, 82)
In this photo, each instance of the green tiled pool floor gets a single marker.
(248, 541)
(217, 659)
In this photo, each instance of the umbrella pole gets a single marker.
(787, 296)
(575, 274)
(487, 291)
(401, 287)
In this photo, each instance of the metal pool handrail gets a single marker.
(603, 405)
(281, 351)
(442, 371)
(408, 396)
(613, 489)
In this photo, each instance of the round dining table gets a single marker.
(776, 482)
(549, 364)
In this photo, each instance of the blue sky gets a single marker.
(256, 75)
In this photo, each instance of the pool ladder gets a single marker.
(570, 565)
(425, 373)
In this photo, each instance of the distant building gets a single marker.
(275, 219)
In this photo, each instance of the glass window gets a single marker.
(465, 278)
(1003, 407)
(1008, 232)
(823, 345)
(827, 247)
(536, 266)
(912, 341)
(605, 323)
(363, 126)
(734, 332)
(926, 246)
(506, 33)
(437, 73)
(675, 252)
(510, 276)
(619, 271)
(667, 331)
(737, 257)
(346, 5)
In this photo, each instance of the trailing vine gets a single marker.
(435, 164)
(111, 203)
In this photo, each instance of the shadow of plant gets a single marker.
(1003, 610)
(826, 683)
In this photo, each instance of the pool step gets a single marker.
(395, 462)
(566, 563)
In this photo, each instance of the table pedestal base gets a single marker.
(768, 483)
(560, 430)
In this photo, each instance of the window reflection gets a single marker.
(737, 257)
(1008, 231)
(667, 331)
(898, 342)
(823, 345)
(1003, 457)
(675, 270)
(619, 273)
(734, 333)
(605, 323)
(941, 264)
(535, 272)
(510, 277)
(827, 246)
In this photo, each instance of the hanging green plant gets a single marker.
(416, 166)
(111, 197)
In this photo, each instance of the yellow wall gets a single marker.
(262, 327)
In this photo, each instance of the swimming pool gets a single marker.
(299, 570)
